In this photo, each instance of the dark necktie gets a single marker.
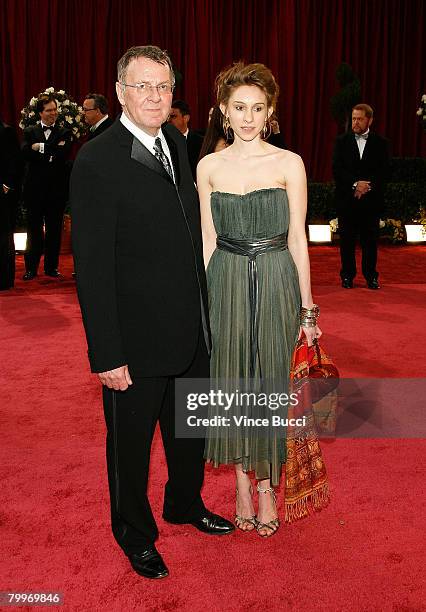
(162, 157)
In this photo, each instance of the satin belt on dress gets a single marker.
(251, 249)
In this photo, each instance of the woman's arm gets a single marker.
(297, 243)
(204, 192)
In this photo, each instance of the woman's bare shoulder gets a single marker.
(291, 163)
(209, 162)
(286, 155)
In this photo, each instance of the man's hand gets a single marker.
(6, 189)
(118, 379)
(362, 187)
(36, 146)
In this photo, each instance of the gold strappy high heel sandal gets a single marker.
(272, 525)
(245, 523)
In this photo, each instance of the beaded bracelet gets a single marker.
(308, 316)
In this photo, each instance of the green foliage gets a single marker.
(403, 201)
(345, 75)
(321, 202)
(343, 101)
(405, 194)
(407, 170)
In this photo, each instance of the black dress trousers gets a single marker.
(367, 228)
(131, 417)
(48, 211)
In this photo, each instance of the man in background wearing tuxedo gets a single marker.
(360, 168)
(10, 175)
(95, 109)
(179, 117)
(46, 148)
(142, 291)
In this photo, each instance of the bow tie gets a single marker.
(47, 127)
(361, 136)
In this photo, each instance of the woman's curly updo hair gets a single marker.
(246, 74)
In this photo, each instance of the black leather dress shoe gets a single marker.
(373, 284)
(213, 524)
(347, 283)
(149, 563)
(29, 275)
(53, 273)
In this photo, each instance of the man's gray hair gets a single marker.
(150, 52)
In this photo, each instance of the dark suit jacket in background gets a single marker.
(349, 168)
(101, 128)
(47, 173)
(138, 254)
(194, 142)
(10, 157)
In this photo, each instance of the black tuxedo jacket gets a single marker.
(138, 255)
(101, 128)
(46, 172)
(348, 168)
(10, 158)
(194, 142)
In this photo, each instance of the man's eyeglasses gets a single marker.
(146, 88)
(86, 110)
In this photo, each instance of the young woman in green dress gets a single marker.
(253, 206)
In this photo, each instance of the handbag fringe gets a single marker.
(314, 501)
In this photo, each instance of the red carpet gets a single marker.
(364, 553)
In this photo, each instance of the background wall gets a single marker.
(74, 45)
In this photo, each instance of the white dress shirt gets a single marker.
(46, 135)
(146, 139)
(96, 125)
(361, 142)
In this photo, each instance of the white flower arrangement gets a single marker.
(396, 226)
(334, 225)
(421, 111)
(69, 112)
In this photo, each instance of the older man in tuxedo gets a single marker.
(360, 167)
(95, 109)
(46, 148)
(142, 291)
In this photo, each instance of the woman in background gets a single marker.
(215, 138)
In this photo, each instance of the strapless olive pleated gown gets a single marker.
(256, 215)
